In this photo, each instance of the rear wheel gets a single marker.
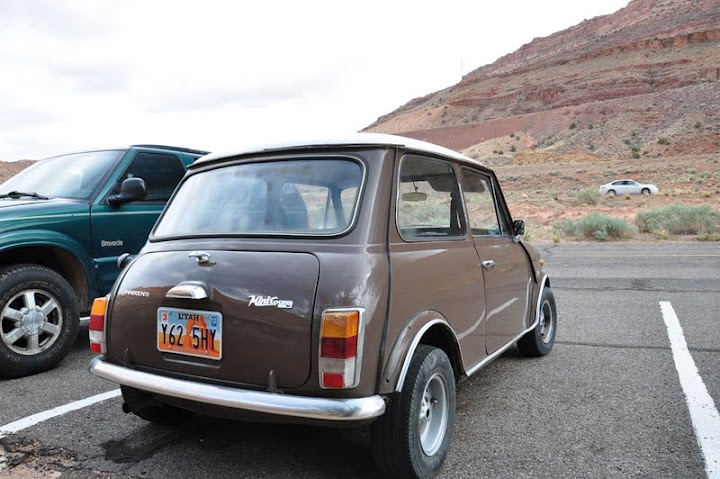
(645, 191)
(413, 437)
(541, 339)
(38, 319)
(144, 406)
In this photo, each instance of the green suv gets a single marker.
(64, 222)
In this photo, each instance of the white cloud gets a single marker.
(88, 73)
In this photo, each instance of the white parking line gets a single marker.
(703, 413)
(26, 422)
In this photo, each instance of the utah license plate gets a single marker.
(190, 332)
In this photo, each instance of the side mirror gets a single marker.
(131, 189)
(518, 227)
(124, 260)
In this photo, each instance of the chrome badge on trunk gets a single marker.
(272, 301)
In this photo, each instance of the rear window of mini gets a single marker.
(305, 196)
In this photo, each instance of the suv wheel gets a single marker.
(541, 339)
(38, 319)
(412, 438)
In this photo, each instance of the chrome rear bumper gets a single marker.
(327, 409)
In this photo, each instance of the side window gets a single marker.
(347, 199)
(161, 174)
(480, 204)
(315, 201)
(429, 203)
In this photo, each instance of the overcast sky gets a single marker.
(77, 74)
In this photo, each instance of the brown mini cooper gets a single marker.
(348, 282)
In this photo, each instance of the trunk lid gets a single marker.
(264, 301)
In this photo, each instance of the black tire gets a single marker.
(541, 339)
(611, 193)
(399, 446)
(39, 319)
(645, 191)
(144, 406)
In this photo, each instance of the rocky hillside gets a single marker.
(11, 168)
(643, 82)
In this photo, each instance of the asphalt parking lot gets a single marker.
(607, 402)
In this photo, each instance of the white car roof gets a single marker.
(356, 139)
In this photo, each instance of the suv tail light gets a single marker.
(97, 325)
(341, 337)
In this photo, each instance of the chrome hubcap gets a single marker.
(547, 322)
(433, 415)
(31, 322)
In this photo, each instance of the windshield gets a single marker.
(301, 197)
(69, 176)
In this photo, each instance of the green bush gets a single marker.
(680, 219)
(588, 196)
(597, 226)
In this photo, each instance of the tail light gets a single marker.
(341, 336)
(97, 325)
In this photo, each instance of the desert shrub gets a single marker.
(597, 226)
(680, 219)
(709, 237)
(589, 196)
(573, 125)
(663, 141)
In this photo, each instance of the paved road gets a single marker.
(606, 403)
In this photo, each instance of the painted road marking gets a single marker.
(26, 422)
(703, 413)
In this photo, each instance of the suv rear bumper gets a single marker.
(325, 409)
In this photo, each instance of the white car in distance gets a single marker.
(630, 187)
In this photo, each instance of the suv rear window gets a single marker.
(316, 196)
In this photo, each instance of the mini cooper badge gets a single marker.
(273, 301)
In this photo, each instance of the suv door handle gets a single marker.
(488, 264)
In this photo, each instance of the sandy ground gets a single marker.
(545, 193)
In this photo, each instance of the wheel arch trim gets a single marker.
(414, 344)
(50, 240)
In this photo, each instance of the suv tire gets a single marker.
(413, 437)
(541, 339)
(39, 319)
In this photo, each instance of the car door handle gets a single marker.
(488, 264)
(188, 290)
